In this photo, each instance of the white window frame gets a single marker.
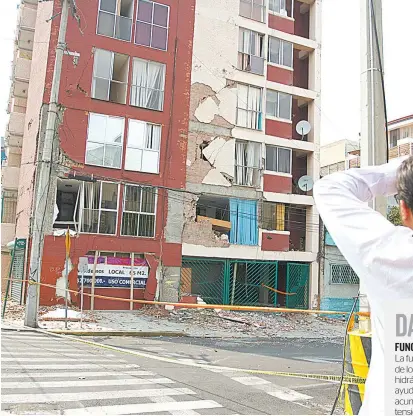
(143, 149)
(94, 77)
(281, 53)
(277, 115)
(255, 169)
(242, 53)
(140, 211)
(259, 112)
(278, 158)
(82, 208)
(135, 59)
(272, 5)
(114, 26)
(153, 24)
(263, 10)
(104, 143)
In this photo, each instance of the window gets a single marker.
(278, 159)
(8, 207)
(282, 7)
(273, 216)
(247, 163)
(394, 137)
(148, 83)
(251, 51)
(99, 208)
(110, 76)
(279, 105)
(139, 206)
(280, 52)
(104, 141)
(115, 19)
(152, 24)
(343, 274)
(142, 151)
(406, 132)
(249, 107)
(252, 9)
(244, 222)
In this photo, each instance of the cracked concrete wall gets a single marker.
(175, 220)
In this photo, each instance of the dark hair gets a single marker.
(405, 182)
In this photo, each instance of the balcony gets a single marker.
(16, 124)
(17, 105)
(25, 39)
(404, 148)
(22, 69)
(27, 20)
(10, 177)
(7, 233)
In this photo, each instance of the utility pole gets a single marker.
(44, 165)
(373, 149)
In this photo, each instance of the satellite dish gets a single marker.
(306, 183)
(303, 127)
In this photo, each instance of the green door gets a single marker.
(298, 275)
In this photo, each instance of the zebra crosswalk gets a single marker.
(43, 374)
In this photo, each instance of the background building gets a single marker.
(255, 75)
(339, 283)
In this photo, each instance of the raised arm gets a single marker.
(369, 242)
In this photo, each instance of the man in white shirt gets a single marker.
(380, 253)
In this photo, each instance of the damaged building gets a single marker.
(251, 233)
(176, 156)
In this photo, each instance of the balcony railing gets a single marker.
(405, 149)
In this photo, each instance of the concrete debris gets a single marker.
(193, 322)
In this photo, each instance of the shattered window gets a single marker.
(115, 19)
(110, 76)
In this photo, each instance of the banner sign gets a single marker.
(116, 272)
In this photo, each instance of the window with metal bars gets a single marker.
(8, 207)
(343, 274)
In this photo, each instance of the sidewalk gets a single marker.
(156, 321)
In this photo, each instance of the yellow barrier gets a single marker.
(357, 362)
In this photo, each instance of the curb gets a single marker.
(139, 334)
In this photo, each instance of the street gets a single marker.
(45, 374)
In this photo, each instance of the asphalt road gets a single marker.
(42, 374)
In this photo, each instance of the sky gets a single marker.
(340, 94)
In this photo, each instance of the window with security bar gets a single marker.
(8, 208)
(274, 216)
(343, 274)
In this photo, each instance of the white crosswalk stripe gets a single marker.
(84, 383)
(79, 375)
(38, 370)
(144, 408)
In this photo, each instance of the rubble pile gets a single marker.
(255, 324)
